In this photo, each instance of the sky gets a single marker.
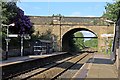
(92, 9)
(66, 0)
(78, 9)
(87, 34)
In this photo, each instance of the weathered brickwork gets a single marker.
(59, 28)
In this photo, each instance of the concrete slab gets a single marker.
(92, 73)
(102, 67)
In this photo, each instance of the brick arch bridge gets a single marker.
(59, 28)
(66, 37)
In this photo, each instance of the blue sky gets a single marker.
(64, 8)
(66, 0)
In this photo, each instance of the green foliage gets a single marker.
(76, 44)
(110, 43)
(79, 42)
(112, 10)
(13, 14)
(94, 22)
(91, 43)
(6, 14)
(48, 35)
(72, 45)
(45, 36)
(9, 11)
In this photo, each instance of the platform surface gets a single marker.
(102, 67)
(98, 67)
(14, 60)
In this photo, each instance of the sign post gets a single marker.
(7, 38)
(23, 36)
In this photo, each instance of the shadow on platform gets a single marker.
(100, 61)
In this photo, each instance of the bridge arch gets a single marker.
(66, 37)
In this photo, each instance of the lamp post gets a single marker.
(7, 38)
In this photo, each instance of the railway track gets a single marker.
(13, 70)
(74, 69)
(54, 72)
(33, 71)
(61, 69)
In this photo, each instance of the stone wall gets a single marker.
(55, 29)
(59, 28)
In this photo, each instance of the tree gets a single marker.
(79, 42)
(112, 10)
(13, 14)
(76, 44)
(8, 11)
(91, 43)
(22, 23)
(47, 35)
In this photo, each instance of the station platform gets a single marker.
(102, 67)
(99, 67)
(14, 60)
